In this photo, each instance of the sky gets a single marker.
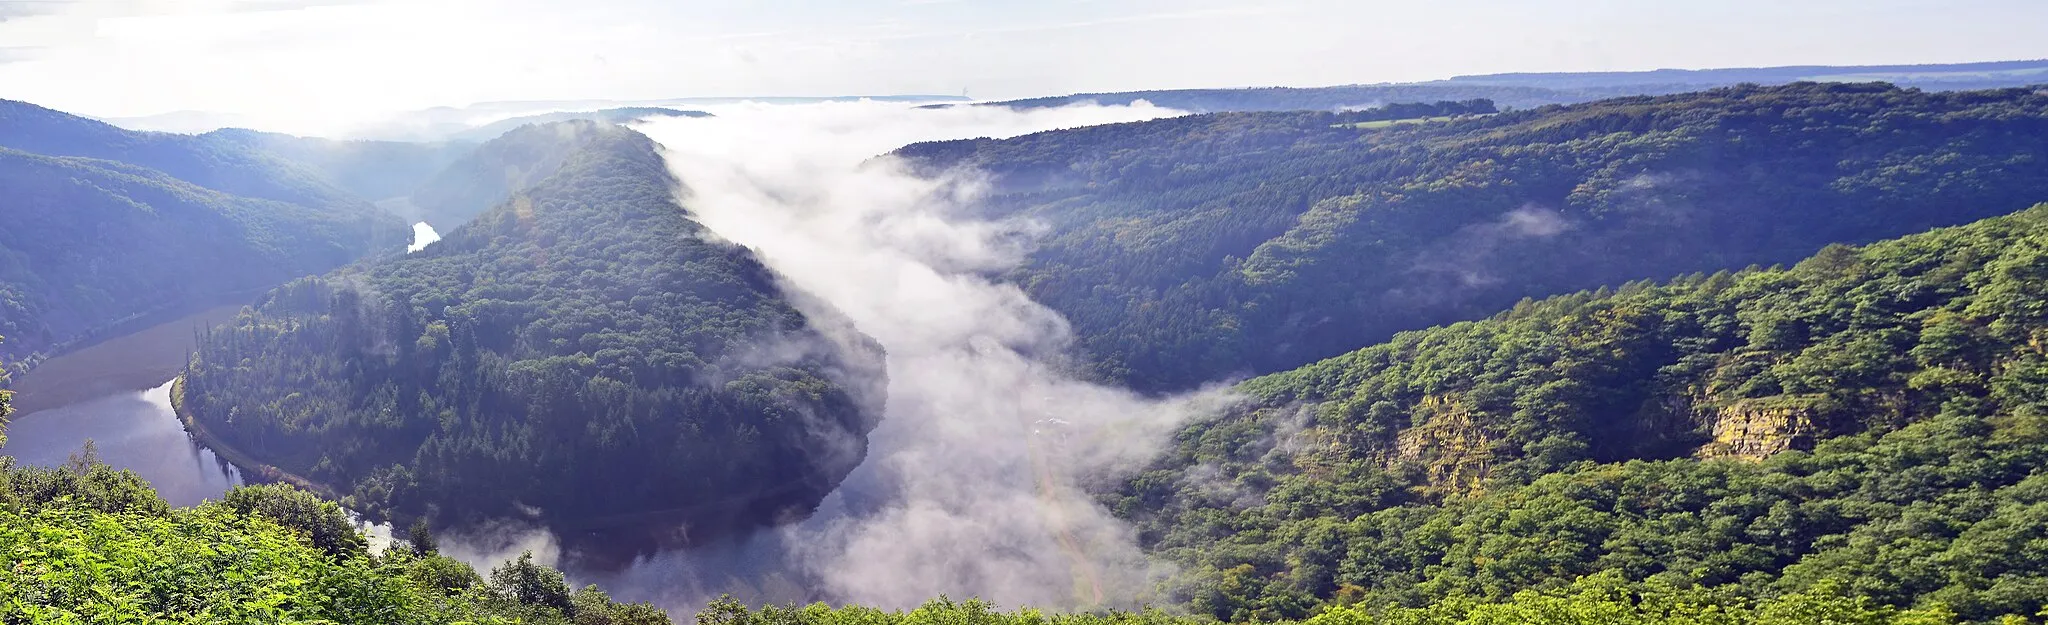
(336, 57)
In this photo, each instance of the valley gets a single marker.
(1746, 353)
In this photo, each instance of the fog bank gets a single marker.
(969, 487)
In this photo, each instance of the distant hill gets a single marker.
(1327, 98)
(1522, 91)
(1949, 77)
(443, 123)
(1192, 249)
(491, 173)
(107, 228)
(224, 166)
(495, 129)
(371, 170)
(93, 246)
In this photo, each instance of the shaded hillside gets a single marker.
(1872, 420)
(1331, 98)
(1191, 249)
(223, 166)
(491, 173)
(582, 352)
(1531, 90)
(1950, 76)
(92, 247)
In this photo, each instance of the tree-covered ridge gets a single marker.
(1531, 90)
(93, 246)
(1875, 418)
(225, 166)
(1190, 249)
(1945, 76)
(584, 349)
(494, 171)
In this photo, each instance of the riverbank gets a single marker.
(141, 360)
(252, 469)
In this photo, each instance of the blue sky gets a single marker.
(328, 57)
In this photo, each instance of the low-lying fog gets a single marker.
(969, 486)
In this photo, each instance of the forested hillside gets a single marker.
(583, 350)
(1191, 249)
(223, 166)
(1535, 89)
(91, 247)
(491, 173)
(1329, 99)
(1948, 76)
(1871, 421)
(108, 228)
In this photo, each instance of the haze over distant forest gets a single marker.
(1116, 312)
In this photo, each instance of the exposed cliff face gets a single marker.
(1452, 451)
(1755, 429)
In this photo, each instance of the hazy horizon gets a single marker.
(329, 59)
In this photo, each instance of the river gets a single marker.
(118, 395)
(132, 430)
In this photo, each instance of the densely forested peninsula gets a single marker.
(1192, 249)
(583, 353)
(1871, 421)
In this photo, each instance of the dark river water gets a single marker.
(132, 430)
(117, 394)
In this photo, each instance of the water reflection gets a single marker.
(135, 431)
(117, 366)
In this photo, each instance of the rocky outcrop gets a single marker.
(1754, 429)
(1454, 454)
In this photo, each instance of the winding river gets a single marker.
(117, 394)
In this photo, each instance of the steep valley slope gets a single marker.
(1871, 420)
(1200, 248)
